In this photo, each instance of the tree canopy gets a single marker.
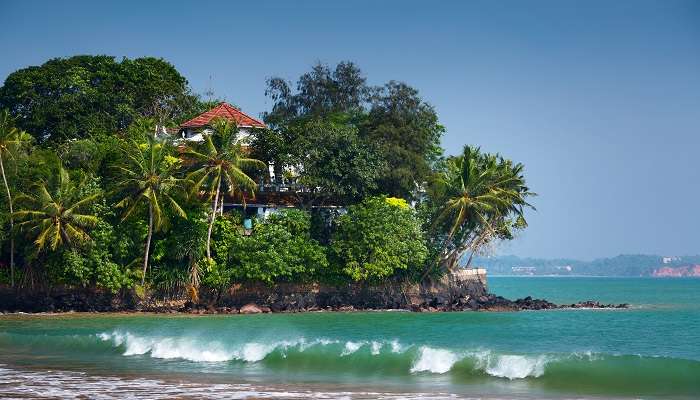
(400, 127)
(85, 96)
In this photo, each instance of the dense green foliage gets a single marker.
(102, 198)
(344, 169)
(12, 141)
(379, 238)
(280, 249)
(398, 127)
(87, 96)
(220, 167)
(149, 181)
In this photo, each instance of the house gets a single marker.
(194, 128)
(273, 193)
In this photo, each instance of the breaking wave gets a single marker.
(393, 357)
(589, 371)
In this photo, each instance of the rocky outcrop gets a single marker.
(453, 292)
(446, 293)
(62, 299)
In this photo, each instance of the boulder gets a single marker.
(251, 308)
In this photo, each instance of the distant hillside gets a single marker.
(622, 265)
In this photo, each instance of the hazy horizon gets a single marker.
(589, 259)
(599, 100)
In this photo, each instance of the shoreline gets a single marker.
(492, 303)
(462, 291)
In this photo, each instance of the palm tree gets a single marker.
(11, 140)
(56, 217)
(220, 167)
(150, 180)
(482, 198)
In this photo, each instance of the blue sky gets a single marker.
(599, 99)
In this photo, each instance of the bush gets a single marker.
(91, 264)
(279, 250)
(377, 239)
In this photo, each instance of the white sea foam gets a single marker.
(396, 346)
(189, 349)
(21, 384)
(437, 361)
(376, 348)
(212, 351)
(351, 347)
(511, 366)
(253, 352)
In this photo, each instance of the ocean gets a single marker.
(651, 350)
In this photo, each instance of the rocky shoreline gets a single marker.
(488, 302)
(452, 292)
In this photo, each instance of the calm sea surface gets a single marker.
(649, 351)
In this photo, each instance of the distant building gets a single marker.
(524, 270)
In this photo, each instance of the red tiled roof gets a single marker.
(223, 110)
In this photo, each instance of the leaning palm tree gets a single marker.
(482, 198)
(150, 180)
(220, 167)
(11, 140)
(57, 217)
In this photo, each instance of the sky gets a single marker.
(600, 100)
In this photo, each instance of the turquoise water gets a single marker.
(651, 350)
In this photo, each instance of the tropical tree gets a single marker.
(89, 96)
(150, 180)
(406, 131)
(59, 216)
(221, 167)
(11, 140)
(479, 198)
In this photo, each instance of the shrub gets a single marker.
(279, 249)
(377, 239)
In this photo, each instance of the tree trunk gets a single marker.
(12, 224)
(212, 218)
(148, 243)
(480, 241)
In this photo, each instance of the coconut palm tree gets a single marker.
(11, 140)
(150, 180)
(57, 216)
(482, 197)
(220, 167)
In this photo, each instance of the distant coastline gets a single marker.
(652, 266)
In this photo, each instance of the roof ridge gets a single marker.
(225, 110)
(242, 113)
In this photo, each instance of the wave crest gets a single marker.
(212, 351)
(437, 361)
(512, 366)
